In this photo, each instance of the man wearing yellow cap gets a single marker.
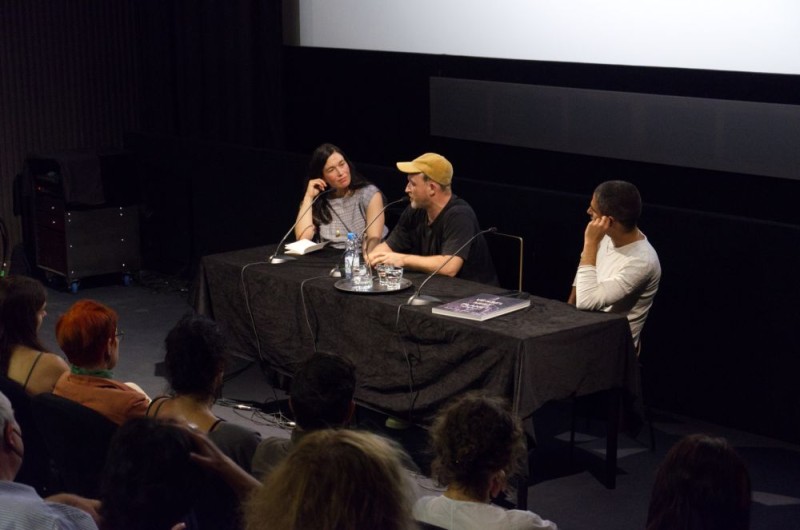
(435, 226)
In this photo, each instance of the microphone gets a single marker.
(335, 272)
(284, 258)
(418, 299)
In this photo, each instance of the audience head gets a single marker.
(477, 441)
(149, 482)
(195, 358)
(335, 479)
(620, 200)
(702, 484)
(12, 448)
(321, 394)
(87, 333)
(22, 308)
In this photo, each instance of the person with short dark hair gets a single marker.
(335, 480)
(702, 484)
(21, 508)
(88, 335)
(353, 203)
(150, 481)
(478, 443)
(195, 365)
(619, 270)
(321, 397)
(23, 304)
(436, 224)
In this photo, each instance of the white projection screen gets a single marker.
(760, 36)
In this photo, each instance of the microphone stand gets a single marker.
(274, 259)
(364, 242)
(335, 272)
(421, 299)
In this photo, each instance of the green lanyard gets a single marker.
(77, 370)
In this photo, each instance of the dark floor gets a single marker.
(571, 494)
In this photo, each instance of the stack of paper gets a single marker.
(303, 246)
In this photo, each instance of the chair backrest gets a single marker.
(428, 526)
(507, 252)
(36, 468)
(78, 439)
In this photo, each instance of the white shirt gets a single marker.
(625, 281)
(21, 508)
(464, 515)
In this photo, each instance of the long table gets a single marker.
(409, 361)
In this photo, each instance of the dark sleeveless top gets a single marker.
(163, 399)
(33, 366)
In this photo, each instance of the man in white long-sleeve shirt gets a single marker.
(619, 269)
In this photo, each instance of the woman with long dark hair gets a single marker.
(23, 359)
(352, 204)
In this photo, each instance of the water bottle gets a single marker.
(349, 255)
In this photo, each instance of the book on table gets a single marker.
(481, 307)
(303, 246)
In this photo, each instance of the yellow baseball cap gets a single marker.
(434, 166)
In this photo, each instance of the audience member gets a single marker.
(702, 484)
(321, 397)
(21, 508)
(335, 480)
(352, 204)
(23, 359)
(619, 269)
(435, 226)
(88, 335)
(195, 365)
(150, 481)
(477, 443)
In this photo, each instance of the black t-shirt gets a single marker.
(453, 227)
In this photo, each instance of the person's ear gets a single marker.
(351, 410)
(9, 438)
(497, 484)
(8, 431)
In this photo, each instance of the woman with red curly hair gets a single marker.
(88, 335)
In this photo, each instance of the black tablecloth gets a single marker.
(407, 358)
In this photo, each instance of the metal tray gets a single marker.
(345, 285)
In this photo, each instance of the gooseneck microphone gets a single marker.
(421, 299)
(284, 258)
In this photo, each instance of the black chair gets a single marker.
(594, 404)
(428, 526)
(36, 470)
(78, 439)
(507, 252)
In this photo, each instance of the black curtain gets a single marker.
(212, 70)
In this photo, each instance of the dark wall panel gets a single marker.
(719, 134)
